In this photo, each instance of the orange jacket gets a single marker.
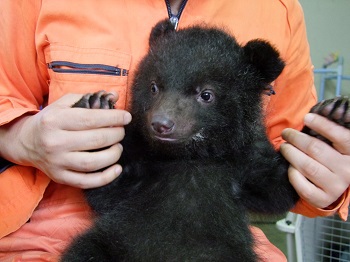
(115, 33)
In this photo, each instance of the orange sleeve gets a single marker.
(22, 89)
(295, 95)
(264, 249)
(341, 207)
(22, 85)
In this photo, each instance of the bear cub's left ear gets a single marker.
(161, 29)
(265, 58)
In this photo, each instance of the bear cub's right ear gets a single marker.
(161, 29)
(265, 58)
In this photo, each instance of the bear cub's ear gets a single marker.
(265, 58)
(160, 30)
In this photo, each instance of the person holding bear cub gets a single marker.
(53, 139)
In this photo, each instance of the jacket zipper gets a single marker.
(174, 19)
(76, 68)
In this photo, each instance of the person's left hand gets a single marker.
(319, 172)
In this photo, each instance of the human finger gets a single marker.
(321, 186)
(313, 147)
(92, 161)
(307, 166)
(92, 139)
(308, 190)
(89, 180)
(72, 119)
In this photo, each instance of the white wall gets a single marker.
(328, 28)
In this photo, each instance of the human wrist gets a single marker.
(12, 142)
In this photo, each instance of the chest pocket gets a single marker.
(86, 70)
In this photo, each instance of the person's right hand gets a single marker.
(56, 140)
(320, 173)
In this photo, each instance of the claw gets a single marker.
(98, 100)
(269, 91)
(336, 110)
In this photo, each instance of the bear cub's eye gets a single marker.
(206, 96)
(154, 88)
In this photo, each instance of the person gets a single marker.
(52, 52)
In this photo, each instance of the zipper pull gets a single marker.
(174, 21)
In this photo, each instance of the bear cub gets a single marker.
(196, 156)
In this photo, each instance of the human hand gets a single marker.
(56, 140)
(319, 172)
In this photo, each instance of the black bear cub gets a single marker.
(196, 156)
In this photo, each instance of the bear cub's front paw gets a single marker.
(98, 100)
(335, 109)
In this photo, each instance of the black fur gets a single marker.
(196, 156)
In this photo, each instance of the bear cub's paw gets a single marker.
(98, 100)
(335, 109)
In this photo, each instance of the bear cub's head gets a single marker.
(198, 92)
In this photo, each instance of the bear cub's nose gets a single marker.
(162, 125)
